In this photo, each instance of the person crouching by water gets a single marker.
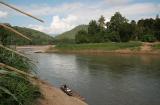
(67, 90)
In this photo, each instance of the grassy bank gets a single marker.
(156, 46)
(100, 46)
(132, 47)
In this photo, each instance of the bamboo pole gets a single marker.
(13, 51)
(12, 7)
(13, 30)
(10, 68)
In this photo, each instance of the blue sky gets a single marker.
(63, 15)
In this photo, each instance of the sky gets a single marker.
(63, 15)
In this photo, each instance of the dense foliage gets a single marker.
(119, 29)
(23, 91)
(38, 38)
(15, 89)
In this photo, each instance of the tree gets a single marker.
(116, 20)
(112, 36)
(149, 29)
(115, 25)
(81, 37)
(147, 25)
(134, 29)
(120, 30)
(102, 22)
(93, 29)
(157, 28)
(125, 32)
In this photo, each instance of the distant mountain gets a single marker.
(71, 34)
(37, 37)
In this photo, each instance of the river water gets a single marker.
(105, 79)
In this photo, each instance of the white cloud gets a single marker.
(60, 25)
(57, 25)
(3, 14)
(45, 10)
(66, 16)
(136, 11)
(140, 9)
(117, 2)
(84, 13)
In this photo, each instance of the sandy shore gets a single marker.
(34, 48)
(54, 96)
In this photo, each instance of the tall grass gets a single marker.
(15, 89)
(14, 60)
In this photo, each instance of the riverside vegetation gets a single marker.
(16, 89)
(116, 34)
(119, 29)
(15, 68)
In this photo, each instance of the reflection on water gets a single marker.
(106, 79)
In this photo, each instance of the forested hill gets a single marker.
(71, 34)
(37, 37)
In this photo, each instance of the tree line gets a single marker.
(119, 29)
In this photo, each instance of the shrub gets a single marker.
(148, 38)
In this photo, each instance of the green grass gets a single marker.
(23, 91)
(100, 46)
(16, 89)
(156, 46)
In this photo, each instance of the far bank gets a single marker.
(105, 48)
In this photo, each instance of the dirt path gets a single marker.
(54, 96)
(146, 47)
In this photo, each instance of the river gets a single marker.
(104, 79)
